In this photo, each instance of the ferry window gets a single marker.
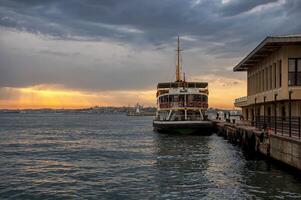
(198, 97)
(294, 72)
(190, 98)
(181, 98)
(175, 98)
(163, 99)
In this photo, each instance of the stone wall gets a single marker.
(287, 150)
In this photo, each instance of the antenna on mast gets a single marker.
(178, 65)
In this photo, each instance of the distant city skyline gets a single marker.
(77, 54)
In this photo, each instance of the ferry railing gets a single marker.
(287, 126)
(181, 118)
(196, 104)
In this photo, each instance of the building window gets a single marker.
(294, 71)
(262, 80)
(267, 78)
(248, 85)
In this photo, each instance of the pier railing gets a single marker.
(288, 126)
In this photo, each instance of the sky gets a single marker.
(81, 53)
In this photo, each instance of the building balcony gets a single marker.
(241, 101)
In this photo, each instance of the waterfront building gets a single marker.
(273, 83)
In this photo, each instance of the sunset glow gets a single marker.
(50, 97)
(222, 93)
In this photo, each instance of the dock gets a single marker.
(281, 147)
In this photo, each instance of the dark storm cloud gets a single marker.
(213, 28)
(156, 21)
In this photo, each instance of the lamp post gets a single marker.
(290, 111)
(275, 113)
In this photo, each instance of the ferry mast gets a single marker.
(178, 65)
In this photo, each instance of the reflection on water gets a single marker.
(181, 163)
(90, 156)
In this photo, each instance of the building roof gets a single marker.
(265, 48)
(181, 84)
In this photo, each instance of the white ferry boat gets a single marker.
(181, 105)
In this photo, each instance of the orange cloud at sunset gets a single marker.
(45, 96)
(222, 93)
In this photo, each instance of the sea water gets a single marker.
(113, 156)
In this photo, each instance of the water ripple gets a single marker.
(89, 156)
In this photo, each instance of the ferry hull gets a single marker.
(183, 127)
